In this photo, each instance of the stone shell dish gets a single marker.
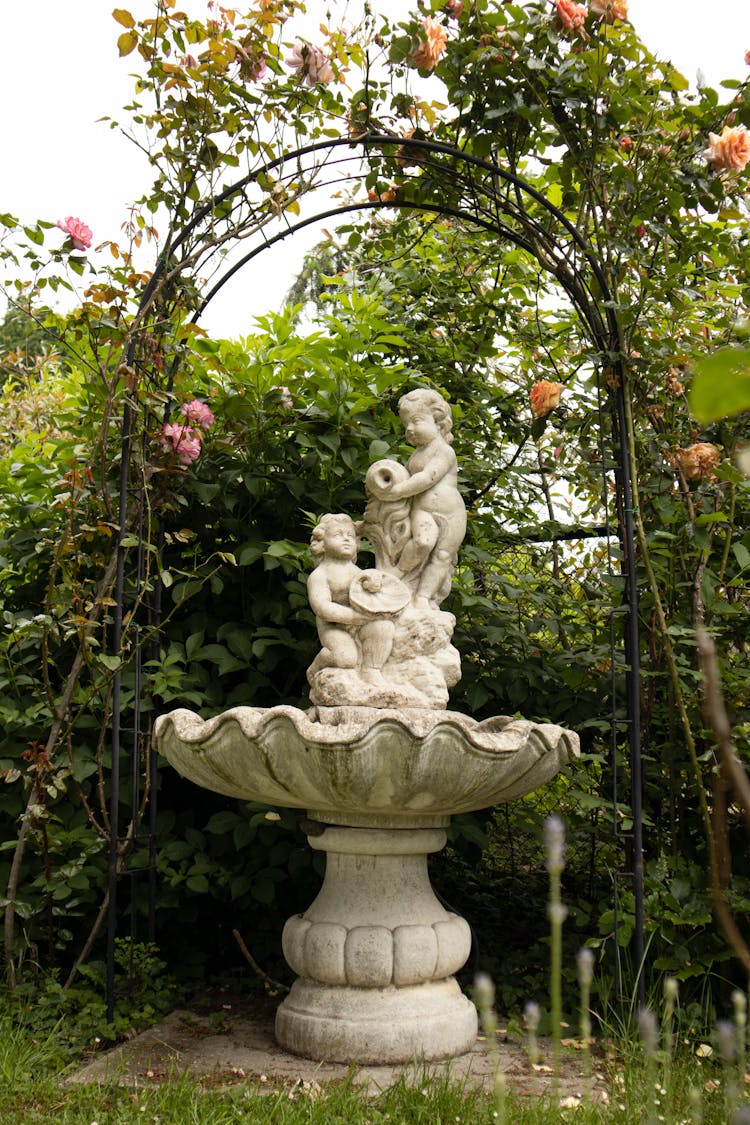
(363, 766)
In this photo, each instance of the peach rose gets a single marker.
(544, 397)
(390, 195)
(699, 460)
(731, 151)
(571, 15)
(429, 51)
(610, 10)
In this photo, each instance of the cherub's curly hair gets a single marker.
(433, 402)
(317, 546)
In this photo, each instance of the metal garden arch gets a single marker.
(448, 183)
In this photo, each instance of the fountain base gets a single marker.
(375, 953)
(384, 1025)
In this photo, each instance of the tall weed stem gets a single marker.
(554, 846)
(585, 962)
(671, 988)
(484, 995)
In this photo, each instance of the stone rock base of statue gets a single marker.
(422, 666)
(375, 955)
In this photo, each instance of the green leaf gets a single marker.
(198, 883)
(249, 554)
(742, 554)
(555, 195)
(221, 822)
(721, 386)
(263, 890)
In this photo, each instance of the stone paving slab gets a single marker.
(235, 1044)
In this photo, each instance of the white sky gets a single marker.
(60, 72)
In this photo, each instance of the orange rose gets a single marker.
(731, 151)
(570, 14)
(699, 460)
(428, 52)
(544, 397)
(610, 10)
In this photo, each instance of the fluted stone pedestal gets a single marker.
(375, 954)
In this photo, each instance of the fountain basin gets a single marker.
(365, 767)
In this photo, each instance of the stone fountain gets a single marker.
(380, 765)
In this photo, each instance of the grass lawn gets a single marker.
(33, 1089)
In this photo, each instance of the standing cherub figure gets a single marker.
(351, 639)
(437, 513)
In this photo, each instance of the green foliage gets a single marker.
(77, 1017)
(721, 386)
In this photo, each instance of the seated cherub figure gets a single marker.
(350, 638)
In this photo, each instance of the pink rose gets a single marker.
(699, 460)
(286, 399)
(729, 152)
(571, 15)
(253, 65)
(610, 10)
(311, 64)
(747, 58)
(181, 440)
(544, 397)
(454, 8)
(80, 235)
(429, 50)
(198, 414)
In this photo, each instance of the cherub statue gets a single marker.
(423, 550)
(351, 638)
(385, 641)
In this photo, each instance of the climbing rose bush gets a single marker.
(80, 235)
(570, 14)
(429, 51)
(544, 397)
(310, 64)
(730, 151)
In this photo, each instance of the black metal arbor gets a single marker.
(448, 183)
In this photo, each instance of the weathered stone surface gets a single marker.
(383, 1025)
(384, 640)
(363, 766)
